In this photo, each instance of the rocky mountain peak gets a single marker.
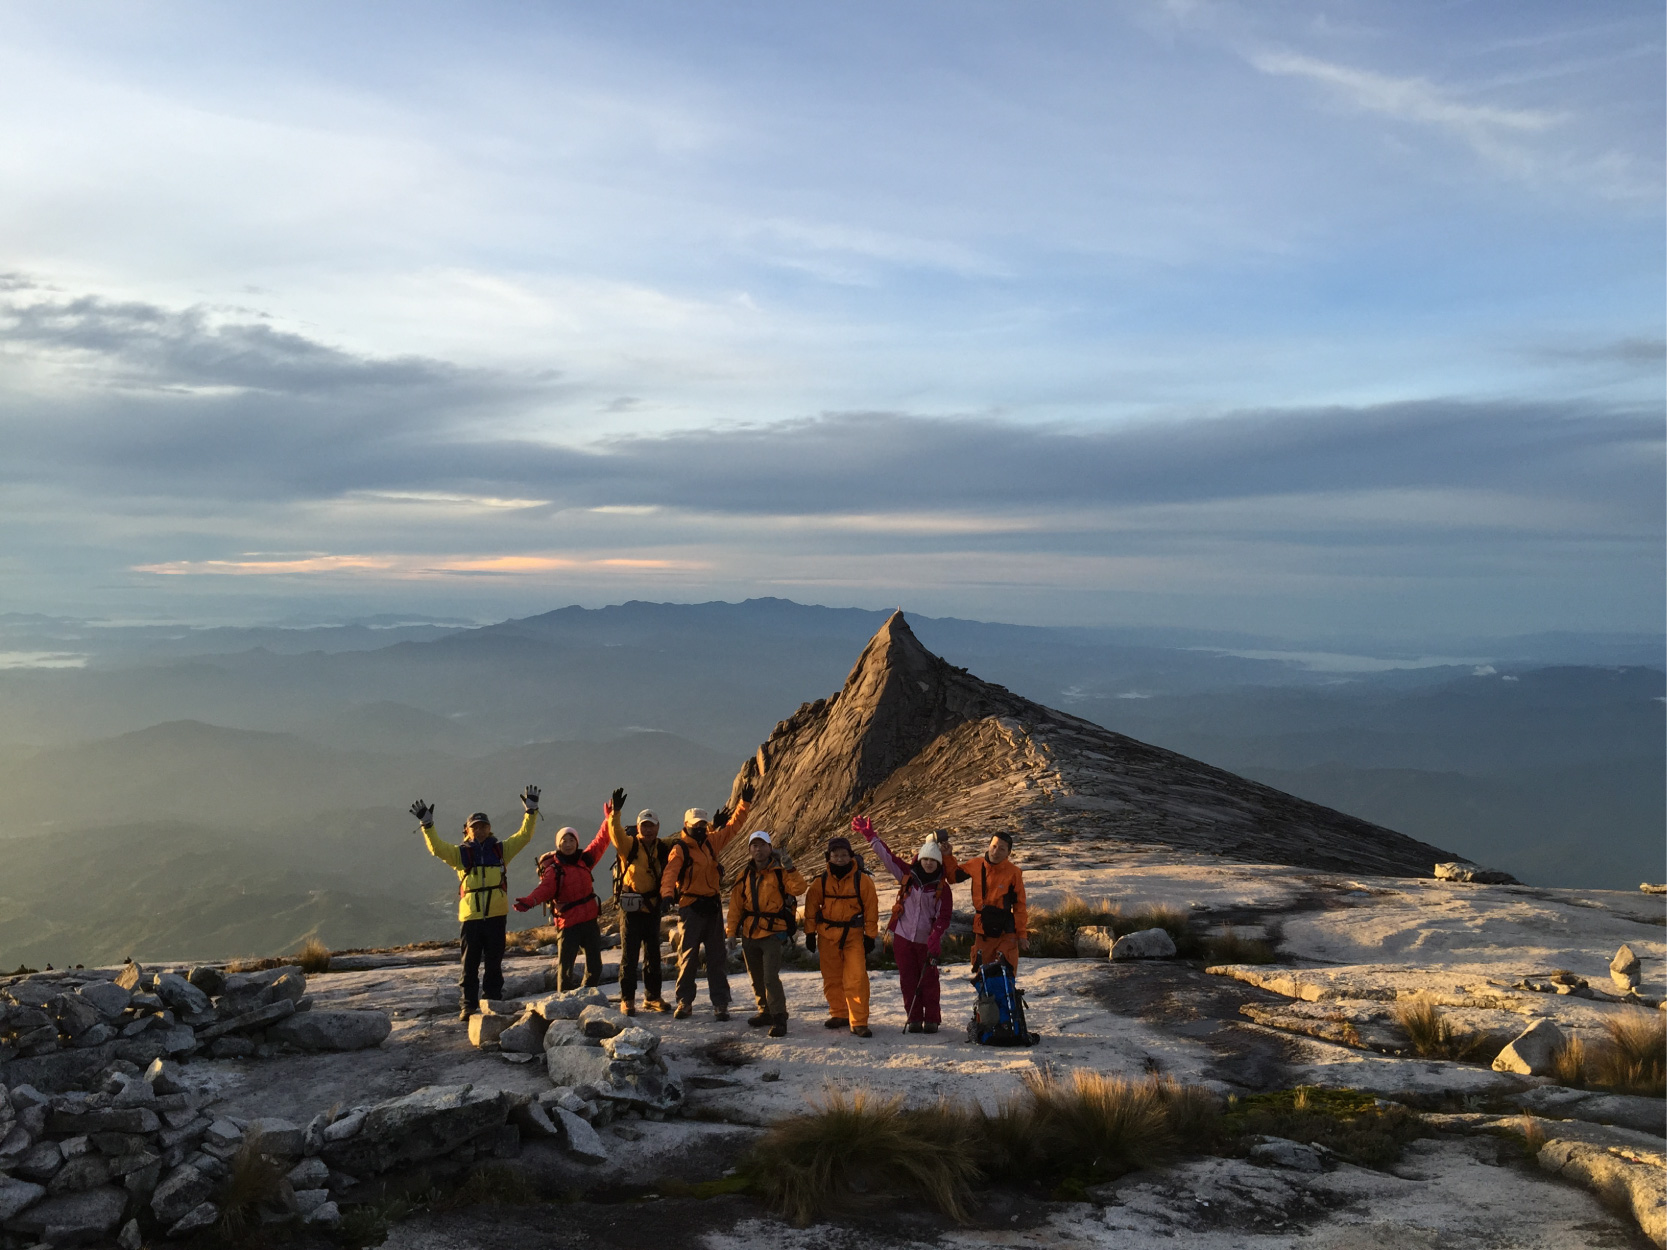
(919, 745)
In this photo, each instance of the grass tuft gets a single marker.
(1229, 948)
(253, 1179)
(1568, 1063)
(1634, 1061)
(1053, 931)
(1349, 1122)
(314, 957)
(1433, 1036)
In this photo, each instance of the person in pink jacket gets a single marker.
(919, 919)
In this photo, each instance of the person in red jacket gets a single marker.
(565, 882)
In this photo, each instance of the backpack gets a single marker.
(790, 904)
(482, 854)
(713, 905)
(857, 922)
(998, 1017)
(651, 849)
(552, 909)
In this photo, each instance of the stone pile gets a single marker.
(62, 1031)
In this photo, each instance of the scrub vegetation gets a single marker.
(1053, 931)
(1061, 1134)
(314, 956)
(1433, 1036)
(1630, 1059)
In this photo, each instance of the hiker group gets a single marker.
(683, 874)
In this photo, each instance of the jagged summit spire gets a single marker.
(921, 744)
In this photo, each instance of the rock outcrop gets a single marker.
(918, 744)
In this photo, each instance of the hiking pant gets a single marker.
(483, 940)
(985, 949)
(703, 939)
(585, 936)
(764, 957)
(917, 977)
(844, 977)
(642, 934)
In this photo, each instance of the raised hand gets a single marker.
(616, 801)
(862, 825)
(786, 860)
(424, 812)
(747, 791)
(529, 798)
(720, 818)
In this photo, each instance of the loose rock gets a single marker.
(1531, 1052)
(1144, 944)
(333, 1030)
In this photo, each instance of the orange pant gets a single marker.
(985, 949)
(844, 976)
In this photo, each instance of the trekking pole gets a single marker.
(920, 989)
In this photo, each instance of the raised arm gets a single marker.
(598, 844)
(443, 851)
(721, 838)
(616, 823)
(896, 867)
(517, 841)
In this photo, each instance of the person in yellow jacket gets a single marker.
(762, 911)
(482, 866)
(640, 856)
(693, 882)
(842, 921)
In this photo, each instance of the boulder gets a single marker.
(632, 1043)
(163, 1077)
(1281, 1152)
(348, 1126)
(431, 1122)
(179, 1192)
(309, 1200)
(526, 1035)
(291, 986)
(209, 979)
(74, 1014)
(580, 1139)
(533, 1120)
(327, 1215)
(108, 998)
(569, 1005)
(179, 1040)
(576, 1065)
(1463, 870)
(273, 1135)
(195, 1220)
(309, 1174)
(88, 1171)
(39, 1162)
(528, 984)
(600, 1021)
(91, 1215)
(132, 977)
(566, 1033)
(1624, 970)
(100, 1033)
(333, 1030)
(181, 995)
(257, 1018)
(14, 1144)
(16, 1195)
(1095, 941)
(1145, 944)
(1533, 1051)
(485, 1027)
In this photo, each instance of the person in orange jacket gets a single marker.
(761, 913)
(999, 920)
(842, 922)
(693, 882)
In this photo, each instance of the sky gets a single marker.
(1309, 319)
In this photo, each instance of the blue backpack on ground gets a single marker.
(998, 1017)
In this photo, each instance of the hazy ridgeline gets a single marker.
(220, 792)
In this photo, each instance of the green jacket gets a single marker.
(482, 892)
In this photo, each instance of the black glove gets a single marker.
(785, 860)
(720, 818)
(529, 798)
(867, 944)
(617, 798)
(424, 812)
(747, 792)
(810, 943)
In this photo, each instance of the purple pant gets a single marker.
(918, 978)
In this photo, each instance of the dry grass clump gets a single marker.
(1229, 948)
(1434, 1037)
(1351, 1123)
(1631, 1059)
(254, 964)
(1053, 931)
(314, 956)
(1075, 1130)
(252, 1180)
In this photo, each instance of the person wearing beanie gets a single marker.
(999, 921)
(639, 860)
(482, 866)
(693, 882)
(919, 919)
(762, 913)
(567, 886)
(842, 922)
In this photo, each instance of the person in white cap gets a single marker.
(693, 882)
(639, 860)
(763, 912)
(919, 919)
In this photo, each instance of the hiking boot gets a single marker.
(683, 1012)
(931, 1028)
(655, 1004)
(915, 1026)
(720, 1014)
(469, 1009)
(759, 1021)
(627, 1007)
(778, 1025)
(835, 1022)
(861, 1030)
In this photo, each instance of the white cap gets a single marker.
(646, 817)
(931, 850)
(695, 815)
(760, 835)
